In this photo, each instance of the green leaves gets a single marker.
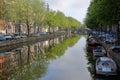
(39, 12)
(22, 10)
(58, 19)
(35, 12)
(103, 12)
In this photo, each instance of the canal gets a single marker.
(72, 65)
(55, 59)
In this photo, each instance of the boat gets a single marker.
(91, 46)
(105, 66)
(99, 51)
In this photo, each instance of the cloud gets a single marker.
(73, 8)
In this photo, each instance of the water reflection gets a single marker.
(49, 60)
(71, 65)
(30, 62)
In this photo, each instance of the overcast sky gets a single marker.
(73, 8)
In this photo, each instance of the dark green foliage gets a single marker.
(105, 12)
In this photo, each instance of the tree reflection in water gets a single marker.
(30, 62)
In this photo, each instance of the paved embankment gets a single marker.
(11, 44)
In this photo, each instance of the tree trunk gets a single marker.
(49, 29)
(28, 28)
(19, 29)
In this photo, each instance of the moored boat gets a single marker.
(98, 51)
(105, 66)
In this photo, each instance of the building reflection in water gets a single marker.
(17, 62)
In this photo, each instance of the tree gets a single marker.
(39, 12)
(103, 12)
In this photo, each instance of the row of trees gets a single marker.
(34, 12)
(58, 19)
(103, 13)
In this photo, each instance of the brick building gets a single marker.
(2, 26)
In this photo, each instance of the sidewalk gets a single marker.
(8, 45)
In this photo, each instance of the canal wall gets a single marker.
(11, 44)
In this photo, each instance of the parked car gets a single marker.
(105, 66)
(115, 48)
(41, 33)
(99, 51)
(2, 38)
(110, 40)
(23, 36)
(8, 37)
(102, 38)
(17, 36)
(34, 35)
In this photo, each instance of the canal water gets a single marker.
(72, 65)
(56, 59)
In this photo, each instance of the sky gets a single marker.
(74, 8)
